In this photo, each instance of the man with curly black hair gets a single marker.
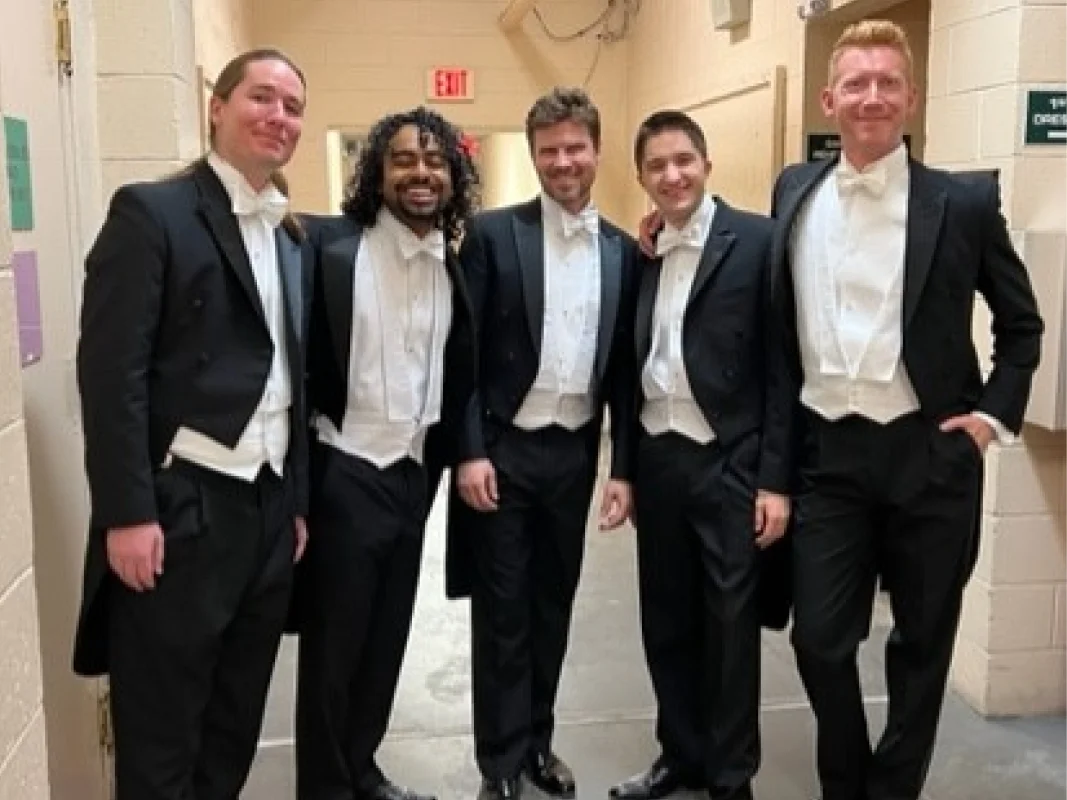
(391, 358)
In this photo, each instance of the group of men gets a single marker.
(260, 390)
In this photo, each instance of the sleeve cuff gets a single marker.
(1004, 436)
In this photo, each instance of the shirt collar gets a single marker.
(269, 203)
(876, 175)
(565, 223)
(410, 245)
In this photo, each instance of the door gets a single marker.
(35, 90)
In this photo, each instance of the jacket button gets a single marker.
(203, 359)
(728, 374)
(511, 356)
(198, 303)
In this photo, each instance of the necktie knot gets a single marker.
(872, 181)
(670, 238)
(270, 205)
(587, 221)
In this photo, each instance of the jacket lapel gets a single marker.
(338, 272)
(610, 289)
(720, 240)
(926, 210)
(290, 267)
(530, 245)
(216, 211)
(646, 306)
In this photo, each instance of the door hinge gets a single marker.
(64, 46)
(103, 722)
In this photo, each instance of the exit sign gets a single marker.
(449, 84)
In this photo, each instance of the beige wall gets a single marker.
(727, 79)
(221, 31)
(369, 58)
(23, 761)
(1010, 657)
(507, 174)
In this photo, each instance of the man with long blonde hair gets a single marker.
(190, 369)
(876, 264)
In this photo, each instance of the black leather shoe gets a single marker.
(505, 789)
(387, 790)
(548, 773)
(659, 780)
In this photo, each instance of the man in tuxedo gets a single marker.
(711, 474)
(190, 369)
(391, 355)
(551, 285)
(876, 262)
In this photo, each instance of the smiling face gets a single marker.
(257, 127)
(870, 97)
(566, 159)
(673, 172)
(416, 182)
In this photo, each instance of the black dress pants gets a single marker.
(361, 576)
(191, 660)
(896, 503)
(528, 558)
(700, 623)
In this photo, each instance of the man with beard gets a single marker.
(551, 284)
(190, 369)
(391, 355)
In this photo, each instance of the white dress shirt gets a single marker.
(401, 316)
(266, 437)
(669, 403)
(848, 265)
(561, 393)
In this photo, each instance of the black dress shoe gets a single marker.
(500, 789)
(387, 790)
(659, 780)
(548, 773)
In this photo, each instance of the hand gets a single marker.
(135, 554)
(977, 428)
(648, 228)
(772, 515)
(477, 484)
(617, 504)
(301, 528)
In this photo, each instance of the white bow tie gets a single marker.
(270, 206)
(669, 238)
(872, 181)
(432, 244)
(587, 220)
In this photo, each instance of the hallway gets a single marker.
(605, 714)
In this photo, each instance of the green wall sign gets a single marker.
(19, 181)
(1046, 117)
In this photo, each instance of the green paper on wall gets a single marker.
(19, 182)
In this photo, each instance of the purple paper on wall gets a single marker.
(28, 306)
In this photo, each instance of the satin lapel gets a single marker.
(216, 211)
(338, 264)
(719, 242)
(610, 290)
(793, 195)
(926, 211)
(646, 305)
(530, 244)
(290, 266)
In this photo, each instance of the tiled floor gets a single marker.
(606, 711)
